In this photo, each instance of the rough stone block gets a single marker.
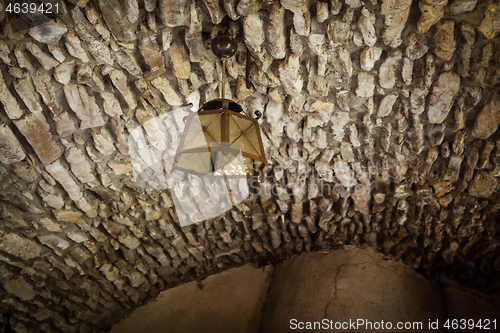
(39, 138)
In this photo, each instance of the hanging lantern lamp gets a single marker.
(221, 139)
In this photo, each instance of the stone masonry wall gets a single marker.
(380, 127)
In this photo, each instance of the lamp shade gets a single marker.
(222, 141)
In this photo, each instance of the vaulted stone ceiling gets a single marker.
(380, 126)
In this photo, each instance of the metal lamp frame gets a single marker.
(224, 114)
